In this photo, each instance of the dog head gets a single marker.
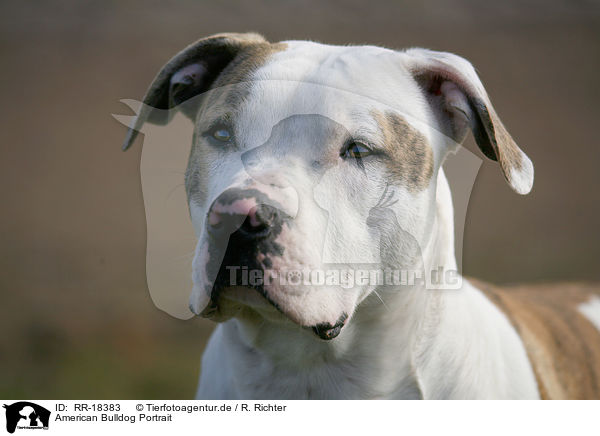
(311, 160)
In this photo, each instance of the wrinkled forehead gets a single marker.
(344, 84)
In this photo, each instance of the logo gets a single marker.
(26, 415)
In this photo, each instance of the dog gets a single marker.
(310, 162)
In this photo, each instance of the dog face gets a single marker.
(310, 161)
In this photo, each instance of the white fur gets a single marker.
(591, 310)
(522, 180)
(413, 344)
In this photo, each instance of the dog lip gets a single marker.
(327, 332)
(246, 295)
(242, 295)
(259, 300)
(209, 311)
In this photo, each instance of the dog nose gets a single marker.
(260, 220)
(242, 212)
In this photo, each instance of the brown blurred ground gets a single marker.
(76, 317)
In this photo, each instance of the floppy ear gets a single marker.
(460, 102)
(189, 73)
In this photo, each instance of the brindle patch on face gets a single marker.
(222, 99)
(562, 344)
(238, 72)
(411, 163)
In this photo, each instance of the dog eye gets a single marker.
(221, 134)
(356, 150)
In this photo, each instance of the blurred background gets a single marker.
(76, 314)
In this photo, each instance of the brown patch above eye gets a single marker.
(411, 156)
(235, 80)
(221, 98)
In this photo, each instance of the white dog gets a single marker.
(312, 164)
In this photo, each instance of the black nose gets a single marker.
(260, 221)
(243, 212)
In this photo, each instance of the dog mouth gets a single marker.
(240, 275)
(246, 296)
(258, 301)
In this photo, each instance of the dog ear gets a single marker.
(460, 101)
(189, 73)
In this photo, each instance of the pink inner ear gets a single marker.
(456, 100)
(190, 74)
